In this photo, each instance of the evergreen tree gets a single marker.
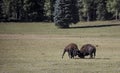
(12, 10)
(47, 9)
(101, 10)
(89, 9)
(114, 8)
(65, 13)
(15, 10)
(5, 9)
(52, 3)
(81, 8)
(34, 10)
(1, 14)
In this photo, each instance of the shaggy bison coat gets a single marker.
(86, 50)
(72, 49)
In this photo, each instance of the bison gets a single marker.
(86, 50)
(72, 49)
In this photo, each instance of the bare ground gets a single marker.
(34, 36)
(38, 36)
(98, 40)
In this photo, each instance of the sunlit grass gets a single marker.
(44, 56)
(50, 29)
(38, 47)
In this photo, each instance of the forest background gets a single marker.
(42, 10)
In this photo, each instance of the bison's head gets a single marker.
(75, 52)
(80, 54)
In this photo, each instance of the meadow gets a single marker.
(38, 47)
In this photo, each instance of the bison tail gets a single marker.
(63, 53)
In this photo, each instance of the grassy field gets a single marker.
(38, 47)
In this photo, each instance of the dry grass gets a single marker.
(31, 52)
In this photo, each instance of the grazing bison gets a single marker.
(72, 49)
(86, 50)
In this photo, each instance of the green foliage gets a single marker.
(15, 10)
(65, 13)
(23, 10)
(47, 8)
(87, 9)
(1, 15)
(101, 10)
(42, 10)
(34, 10)
(80, 6)
(12, 10)
(5, 9)
(114, 7)
(52, 3)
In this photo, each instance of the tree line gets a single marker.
(43, 10)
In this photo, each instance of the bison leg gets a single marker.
(63, 53)
(69, 54)
(94, 53)
(91, 55)
(72, 54)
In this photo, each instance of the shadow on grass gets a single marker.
(95, 58)
(95, 26)
(103, 58)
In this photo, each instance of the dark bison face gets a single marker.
(81, 55)
(88, 49)
(75, 52)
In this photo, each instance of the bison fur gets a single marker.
(72, 49)
(86, 50)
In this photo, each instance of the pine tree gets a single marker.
(5, 9)
(89, 9)
(65, 13)
(52, 3)
(14, 10)
(81, 8)
(1, 14)
(101, 10)
(113, 7)
(34, 10)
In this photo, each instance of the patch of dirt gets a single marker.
(36, 36)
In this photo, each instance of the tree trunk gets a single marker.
(88, 17)
(116, 15)
(52, 2)
(119, 16)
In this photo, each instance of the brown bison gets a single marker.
(72, 49)
(86, 50)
